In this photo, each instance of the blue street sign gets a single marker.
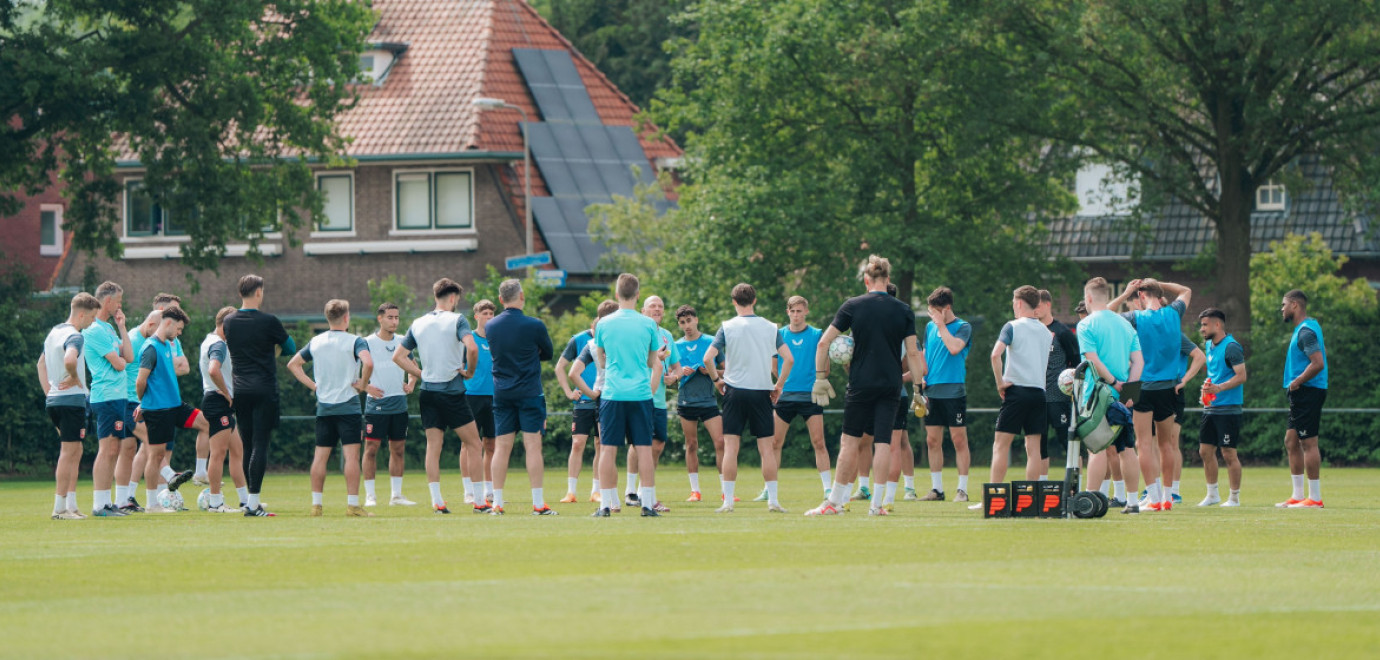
(525, 260)
(554, 278)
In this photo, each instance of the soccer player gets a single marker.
(947, 341)
(1191, 359)
(1063, 354)
(107, 352)
(160, 403)
(654, 309)
(1226, 365)
(479, 393)
(585, 415)
(133, 458)
(748, 343)
(630, 354)
(1305, 378)
(1159, 329)
(385, 415)
(695, 401)
(591, 390)
(217, 373)
(448, 353)
(255, 340)
(520, 344)
(1021, 384)
(1108, 341)
(881, 324)
(62, 375)
(802, 340)
(337, 357)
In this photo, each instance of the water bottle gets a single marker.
(1208, 397)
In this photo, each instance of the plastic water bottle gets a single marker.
(1208, 397)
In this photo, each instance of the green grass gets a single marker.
(935, 580)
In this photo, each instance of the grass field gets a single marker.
(934, 580)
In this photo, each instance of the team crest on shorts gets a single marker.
(83, 434)
(368, 428)
(224, 420)
(119, 426)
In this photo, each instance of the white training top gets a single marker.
(439, 337)
(213, 347)
(1027, 352)
(387, 376)
(54, 348)
(748, 344)
(334, 355)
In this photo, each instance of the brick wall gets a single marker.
(19, 237)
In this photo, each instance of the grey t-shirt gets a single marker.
(587, 357)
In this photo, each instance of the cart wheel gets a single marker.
(1103, 503)
(1084, 505)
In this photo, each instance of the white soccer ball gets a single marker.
(171, 500)
(203, 501)
(841, 349)
(1066, 382)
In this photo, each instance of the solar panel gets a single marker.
(556, 86)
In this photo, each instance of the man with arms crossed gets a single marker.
(445, 341)
(479, 393)
(255, 340)
(160, 403)
(1305, 378)
(1226, 365)
(696, 403)
(107, 351)
(385, 409)
(748, 343)
(1110, 343)
(520, 344)
(947, 341)
(881, 324)
(802, 340)
(62, 375)
(217, 399)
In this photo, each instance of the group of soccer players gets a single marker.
(484, 383)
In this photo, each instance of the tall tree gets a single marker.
(1203, 101)
(223, 103)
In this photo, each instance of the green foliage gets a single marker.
(1306, 263)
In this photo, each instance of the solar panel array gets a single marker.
(582, 161)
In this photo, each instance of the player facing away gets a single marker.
(802, 340)
(1111, 345)
(255, 340)
(385, 409)
(62, 375)
(696, 402)
(217, 399)
(947, 342)
(479, 393)
(654, 309)
(341, 363)
(520, 343)
(590, 389)
(1191, 359)
(1305, 379)
(629, 350)
(160, 403)
(881, 324)
(1063, 354)
(444, 340)
(585, 414)
(1021, 385)
(749, 343)
(1221, 429)
(107, 352)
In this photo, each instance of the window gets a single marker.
(145, 217)
(433, 200)
(50, 230)
(339, 203)
(1270, 197)
(1104, 191)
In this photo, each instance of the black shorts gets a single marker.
(698, 413)
(659, 420)
(1159, 403)
(386, 426)
(163, 424)
(586, 422)
(343, 429)
(1023, 411)
(868, 409)
(750, 409)
(1305, 410)
(70, 422)
(217, 411)
(1220, 431)
(482, 408)
(443, 410)
(899, 422)
(947, 412)
(1179, 407)
(1057, 415)
(786, 411)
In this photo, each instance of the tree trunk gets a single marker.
(1234, 250)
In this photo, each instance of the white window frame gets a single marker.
(51, 250)
(317, 232)
(431, 201)
(1270, 186)
(151, 238)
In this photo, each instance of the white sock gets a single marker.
(539, 498)
(1175, 488)
(99, 498)
(133, 488)
(1297, 479)
(1120, 488)
(962, 482)
(151, 497)
(608, 498)
(120, 493)
(694, 482)
(469, 486)
(826, 478)
(1106, 487)
(396, 485)
(435, 487)
(352, 500)
(498, 497)
(910, 481)
(201, 467)
(890, 492)
(1235, 496)
(1315, 490)
(317, 499)
(1153, 492)
(862, 483)
(243, 492)
(771, 494)
(488, 489)
(631, 480)
(838, 494)
(254, 501)
(1212, 491)
(167, 473)
(594, 488)
(937, 481)
(648, 496)
(72, 500)
(571, 483)
(217, 499)
(369, 489)
(728, 493)
(59, 503)
(1043, 477)
(878, 496)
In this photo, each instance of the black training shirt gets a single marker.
(880, 324)
(252, 336)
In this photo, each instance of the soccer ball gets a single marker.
(169, 499)
(841, 349)
(203, 501)
(1066, 382)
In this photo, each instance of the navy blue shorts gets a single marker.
(625, 422)
(130, 424)
(527, 414)
(659, 433)
(110, 419)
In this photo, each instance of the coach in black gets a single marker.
(255, 340)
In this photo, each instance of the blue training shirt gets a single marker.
(626, 337)
(1160, 338)
(1307, 340)
(160, 392)
(483, 382)
(803, 346)
(1113, 339)
(947, 372)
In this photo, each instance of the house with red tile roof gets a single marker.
(437, 186)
